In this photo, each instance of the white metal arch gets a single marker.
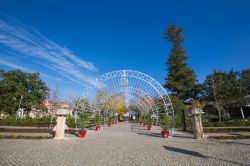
(140, 92)
(136, 92)
(134, 80)
(136, 101)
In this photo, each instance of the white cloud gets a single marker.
(18, 66)
(30, 42)
(12, 65)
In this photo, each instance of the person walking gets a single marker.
(133, 118)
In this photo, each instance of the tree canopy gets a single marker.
(224, 90)
(181, 79)
(15, 85)
(121, 109)
(245, 79)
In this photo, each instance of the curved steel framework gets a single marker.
(140, 93)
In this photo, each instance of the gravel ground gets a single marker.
(125, 144)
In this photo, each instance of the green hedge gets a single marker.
(70, 121)
(236, 123)
(13, 121)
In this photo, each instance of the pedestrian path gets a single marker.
(125, 144)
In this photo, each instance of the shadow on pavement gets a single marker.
(182, 136)
(150, 134)
(197, 154)
(184, 151)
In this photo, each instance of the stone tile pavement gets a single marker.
(125, 144)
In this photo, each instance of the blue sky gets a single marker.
(72, 42)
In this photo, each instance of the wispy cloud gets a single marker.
(12, 65)
(18, 66)
(55, 69)
(30, 42)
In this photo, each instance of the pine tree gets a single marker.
(181, 79)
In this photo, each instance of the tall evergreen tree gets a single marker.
(181, 79)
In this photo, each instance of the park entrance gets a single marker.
(125, 92)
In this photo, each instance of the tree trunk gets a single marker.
(219, 113)
(183, 122)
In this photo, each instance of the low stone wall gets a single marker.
(26, 130)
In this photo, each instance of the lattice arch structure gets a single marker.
(139, 91)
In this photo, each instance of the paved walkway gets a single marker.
(125, 144)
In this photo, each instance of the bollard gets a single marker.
(196, 113)
(60, 123)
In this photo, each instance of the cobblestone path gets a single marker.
(124, 144)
